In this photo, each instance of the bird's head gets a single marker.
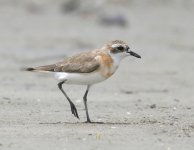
(120, 49)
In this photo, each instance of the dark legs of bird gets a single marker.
(85, 104)
(73, 108)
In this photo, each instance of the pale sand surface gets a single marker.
(147, 104)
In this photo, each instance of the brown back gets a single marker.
(81, 63)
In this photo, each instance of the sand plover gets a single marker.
(88, 68)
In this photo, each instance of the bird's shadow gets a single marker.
(81, 123)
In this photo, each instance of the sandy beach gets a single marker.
(147, 104)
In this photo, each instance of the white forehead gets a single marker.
(117, 45)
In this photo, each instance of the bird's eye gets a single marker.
(120, 48)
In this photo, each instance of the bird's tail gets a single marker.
(47, 68)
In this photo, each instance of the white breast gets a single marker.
(79, 78)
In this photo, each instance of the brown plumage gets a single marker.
(81, 63)
(84, 62)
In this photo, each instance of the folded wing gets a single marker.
(81, 63)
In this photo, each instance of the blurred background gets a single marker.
(34, 32)
(156, 91)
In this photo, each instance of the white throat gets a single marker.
(117, 57)
(116, 60)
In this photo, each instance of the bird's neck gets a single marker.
(117, 58)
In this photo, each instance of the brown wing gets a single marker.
(81, 63)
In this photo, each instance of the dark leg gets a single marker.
(85, 104)
(73, 108)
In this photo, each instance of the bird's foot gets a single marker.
(74, 110)
(88, 121)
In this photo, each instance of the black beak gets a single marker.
(134, 54)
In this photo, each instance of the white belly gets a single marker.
(79, 78)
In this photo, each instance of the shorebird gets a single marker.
(88, 68)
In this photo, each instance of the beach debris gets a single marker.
(153, 106)
(78, 101)
(128, 113)
(113, 20)
(113, 127)
(70, 6)
(98, 136)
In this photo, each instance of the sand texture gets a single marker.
(148, 104)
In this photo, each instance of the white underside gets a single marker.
(79, 78)
(89, 78)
